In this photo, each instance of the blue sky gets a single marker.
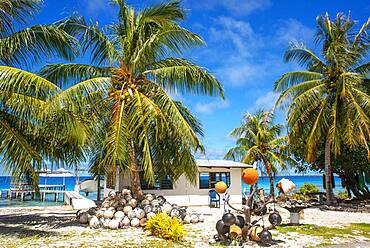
(245, 44)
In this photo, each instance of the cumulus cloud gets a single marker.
(293, 30)
(210, 107)
(265, 102)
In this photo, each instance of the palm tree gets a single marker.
(328, 102)
(28, 134)
(138, 127)
(259, 140)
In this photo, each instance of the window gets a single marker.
(165, 183)
(207, 180)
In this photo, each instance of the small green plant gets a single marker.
(342, 195)
(165, 227)
(304, 190)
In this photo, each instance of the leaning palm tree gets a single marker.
(28, 135)
(138, 127)
(259, 140)
(328, 102)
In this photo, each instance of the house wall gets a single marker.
(187, 194)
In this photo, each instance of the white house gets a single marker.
(182, 192)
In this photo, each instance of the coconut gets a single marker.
(105, 204)
(139, 213)
(194, 218)
(187, 219)
(150, 215)
(135, 222)
(182, 212)
(155, 203)
(167, 208)
(156, 209)
(94, 222)
(132, 202)
(108, 214)
(115, 203)
(119, 215)
(119, 209)
(175, 213)
(147, 209)
(149, 197)
(201, 218)
(128, 197)
(92, 211)
(127, 209)
(131, 214)
(125, 222)
(106, 223)
(114, 224)
(161, 200)
(126, 192)
(112, 195)
(123, 202)
(143, 221)
(83, 218)
(145, 202)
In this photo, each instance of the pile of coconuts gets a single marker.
(120, 210)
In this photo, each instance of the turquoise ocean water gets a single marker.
(70, 182)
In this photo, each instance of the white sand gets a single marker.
(57, 227)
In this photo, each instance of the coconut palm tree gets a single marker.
(28, 134)
(260, 140)
(328, 102)
(138, 127)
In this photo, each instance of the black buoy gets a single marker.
(275, 219)
(221, 227)
(228, 219)
(265, 236)
(239, 221)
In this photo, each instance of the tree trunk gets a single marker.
(271, 178)
(99, 189)
(328, 173)
(134, 174)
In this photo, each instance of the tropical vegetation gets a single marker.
(136, 63)
(31, 132)
(328, 103)
(258, 139)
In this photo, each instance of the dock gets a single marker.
(24, 190)
(71, 198)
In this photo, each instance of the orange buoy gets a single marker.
(250, 176)
(220, 187)
(235, 231)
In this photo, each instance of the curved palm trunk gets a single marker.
(328, 171)
(271, 178)
(134, 174)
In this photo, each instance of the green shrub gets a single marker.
(342, 195)
(165, 227)
(304, 190)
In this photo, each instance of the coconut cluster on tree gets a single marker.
(120, 210)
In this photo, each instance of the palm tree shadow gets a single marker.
(36, 224)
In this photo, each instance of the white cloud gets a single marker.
(265, 102)
(293, 30)
(210, 107)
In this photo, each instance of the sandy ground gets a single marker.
(57, 227)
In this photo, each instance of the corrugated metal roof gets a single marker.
(222, 163)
